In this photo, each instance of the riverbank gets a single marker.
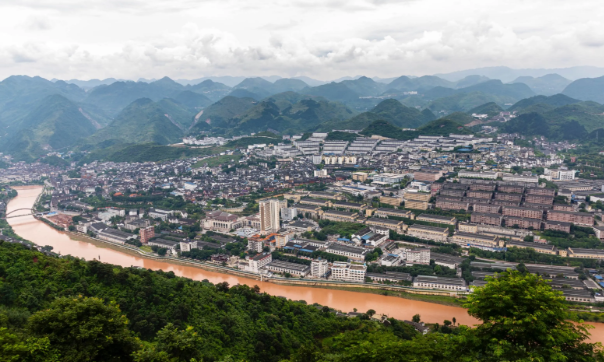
(433, 309)
(435, 297)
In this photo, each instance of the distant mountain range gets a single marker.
(38, 116)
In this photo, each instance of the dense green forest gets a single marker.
(68, 309)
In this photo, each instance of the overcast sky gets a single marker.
(324, 39)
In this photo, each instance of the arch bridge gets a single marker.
(19, 213)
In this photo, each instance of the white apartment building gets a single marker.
(416, 256)
(259, 261)
(255, 245)
(348, 272)
(483, 175)
(434, 282)
(288, 213)
(319, 268)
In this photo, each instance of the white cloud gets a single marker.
(323, 39)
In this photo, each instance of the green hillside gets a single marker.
(389, 110)
(288, 85)
(341, 136)
(145, 152)
(549, 84)
(443, 127)
(460, 117)
(470, 80)
(54, 124)
(259, 86)
(507, 93)
(222, 112)
(113, 98)
(333, 91)
(20, 94)
(586, 89)
(424, 83)
(535, 124)
(143, 121)
(386, 129)
(192, 100)
(560, 109)
(304, 115)
(179, 114)
(588, 114)
(68, 309)
(491, 108)
(212, 90)
(461, 102)
(557, 100)
(364, 86)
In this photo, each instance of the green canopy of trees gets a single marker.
(66, 309)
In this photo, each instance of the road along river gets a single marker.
(38, 232)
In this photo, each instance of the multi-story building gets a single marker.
(451, 204)
(539, 199)
(334, 215)
(505, 203)
(310, 211)
(564, 207)
(586, 253)
(257, 262)
(283, 237)
(428, 176)
(417, 196)
(522, 212)
(437, 219)
(319, 268)
(540, 248)
(487, 195)
(453, 192)
(488, 219)
(279, 266)
(115, 236)
(428, 232)
(386, 212)
(486, 208)
(255, 244)
(579, 218)
(540, 191)
(508, 197)
(482, 175)
(557, 225)
(417, 256)
(146, 234)
(434, 282)
(288, 213)
(348, 272)
(391, 200)
(515, 189)
(416, 205)
(221, 221)
(522, 222)
(351, 252)
(395, 225)
(349, 206)
(360, 176)
(315, 202)
(471, 240)
(483, 187)
(270, 210)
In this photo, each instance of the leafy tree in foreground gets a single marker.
(84, 329)
(523, 319)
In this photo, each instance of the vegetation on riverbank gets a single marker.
(67, 309)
